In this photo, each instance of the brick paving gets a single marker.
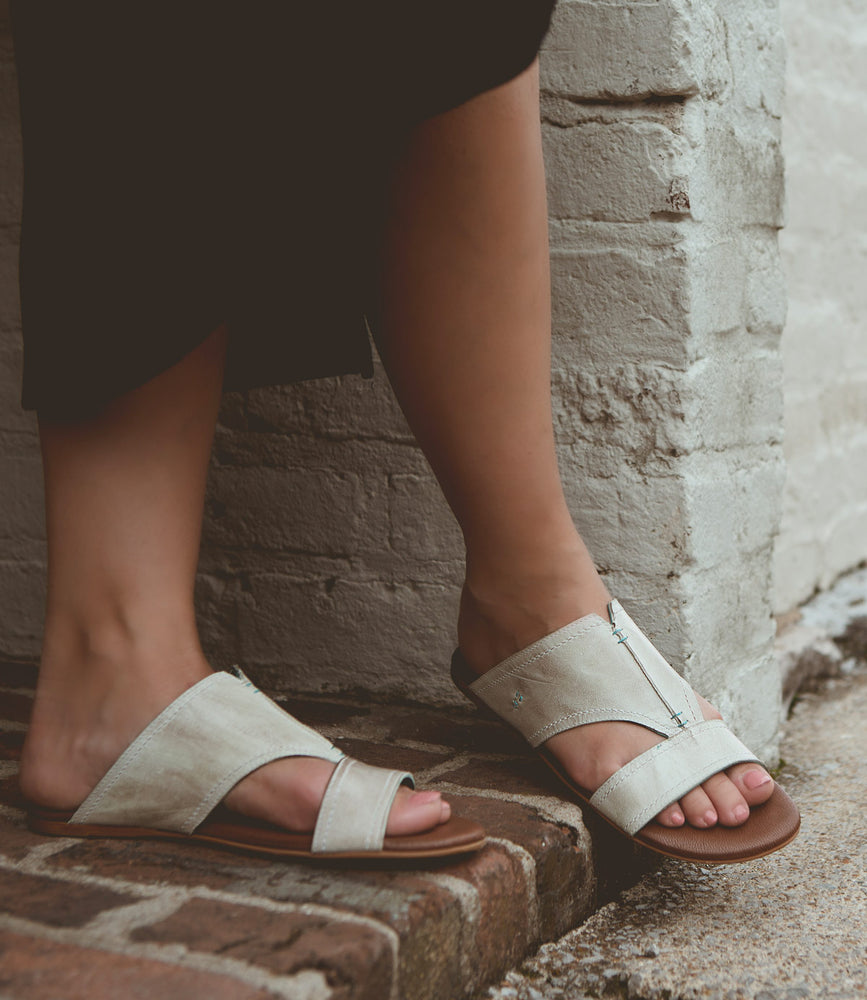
(112, 918)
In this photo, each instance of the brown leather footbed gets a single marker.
(771, 825)
(227, 829)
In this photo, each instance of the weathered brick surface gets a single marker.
(34, 969)
(425, 916)
(55, 903)
(499, 924)
(616, 304)
(464, 732)
(638, 159)
(16, 842)
(355, 959)
(563, 870)
(160, 862)
(602, 50)
(382, 755)
(523, 775)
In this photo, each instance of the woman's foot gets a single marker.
(79, 728)
(500, 619)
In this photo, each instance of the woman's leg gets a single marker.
(465, 337)
(124, 495)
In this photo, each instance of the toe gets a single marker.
(672, 816)
(698, 808)
(752, 782)
(415, 812)
(730, 806)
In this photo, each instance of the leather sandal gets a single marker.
(598, 671)
(170, 780)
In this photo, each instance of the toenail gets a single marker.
(741, 813)
(677, 818)
(710, 817)
(755, 779)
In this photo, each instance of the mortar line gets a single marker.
(470, 907)
(528, 866)
(431, 773)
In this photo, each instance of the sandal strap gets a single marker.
(194, 752)
(632, 796)
(355, 808)
(588, 671)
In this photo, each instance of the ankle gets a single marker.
(506, 610)
(117, 649)
(98, 687)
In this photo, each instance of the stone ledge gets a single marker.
(196, 921)
(826, 637)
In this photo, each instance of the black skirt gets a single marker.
(188, 164)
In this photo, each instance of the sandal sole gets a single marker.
(456, 837)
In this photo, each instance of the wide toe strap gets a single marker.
(174, 773)
(588, 671)
(632, 796)
(355, 808)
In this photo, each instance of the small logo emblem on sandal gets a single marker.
(618, 633)
(516, 701)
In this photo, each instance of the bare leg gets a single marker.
(124, 495)
(466, 340)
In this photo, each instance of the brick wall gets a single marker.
(330, 560)
(824, 529)
(22, 533)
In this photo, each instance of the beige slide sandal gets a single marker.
(601, 671)
(171, 779)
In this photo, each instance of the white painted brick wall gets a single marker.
(330, 561)
(824, 529)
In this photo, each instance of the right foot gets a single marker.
(76, 734)
(513, 615)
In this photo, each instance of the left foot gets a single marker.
(83, 719)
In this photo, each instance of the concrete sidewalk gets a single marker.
(792, 926)
(128, 920)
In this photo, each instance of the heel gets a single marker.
(463, 676)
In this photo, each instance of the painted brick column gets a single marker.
(662, 128)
